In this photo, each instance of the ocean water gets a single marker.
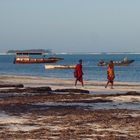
(91, 71)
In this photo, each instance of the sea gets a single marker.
(91, 70)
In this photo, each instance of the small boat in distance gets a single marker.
(59, 66)
(124, 62)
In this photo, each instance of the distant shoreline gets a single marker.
(78, 53)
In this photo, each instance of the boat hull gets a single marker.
(35, 61)
(27, 60)
(59, 66)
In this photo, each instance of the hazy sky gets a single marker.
(70, 25)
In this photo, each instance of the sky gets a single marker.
(70, 25)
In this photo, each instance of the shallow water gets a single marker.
(129, 73)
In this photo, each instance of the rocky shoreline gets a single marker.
(45, 108)
(43, 113)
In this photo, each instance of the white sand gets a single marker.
(122, 98)
(5, 118)
(57, 83)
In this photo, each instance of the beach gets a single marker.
(54, 83)
(34, 107)
(48, 46)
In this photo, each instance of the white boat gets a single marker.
(59, 66)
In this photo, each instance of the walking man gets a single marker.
(110, 74)
(78, 73)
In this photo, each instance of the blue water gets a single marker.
(129, 73)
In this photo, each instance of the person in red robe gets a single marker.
(78, 73)
(110, 74)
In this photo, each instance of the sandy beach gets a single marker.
(51, 108)
(57, 83)
(45, 45)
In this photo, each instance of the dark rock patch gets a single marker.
(11, 85)
(72, 90)
(37, 89)
(27, 90)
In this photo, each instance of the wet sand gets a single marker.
(101, 114)
(57, 83)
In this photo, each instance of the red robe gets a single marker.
(110, 72)
(78, 72)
